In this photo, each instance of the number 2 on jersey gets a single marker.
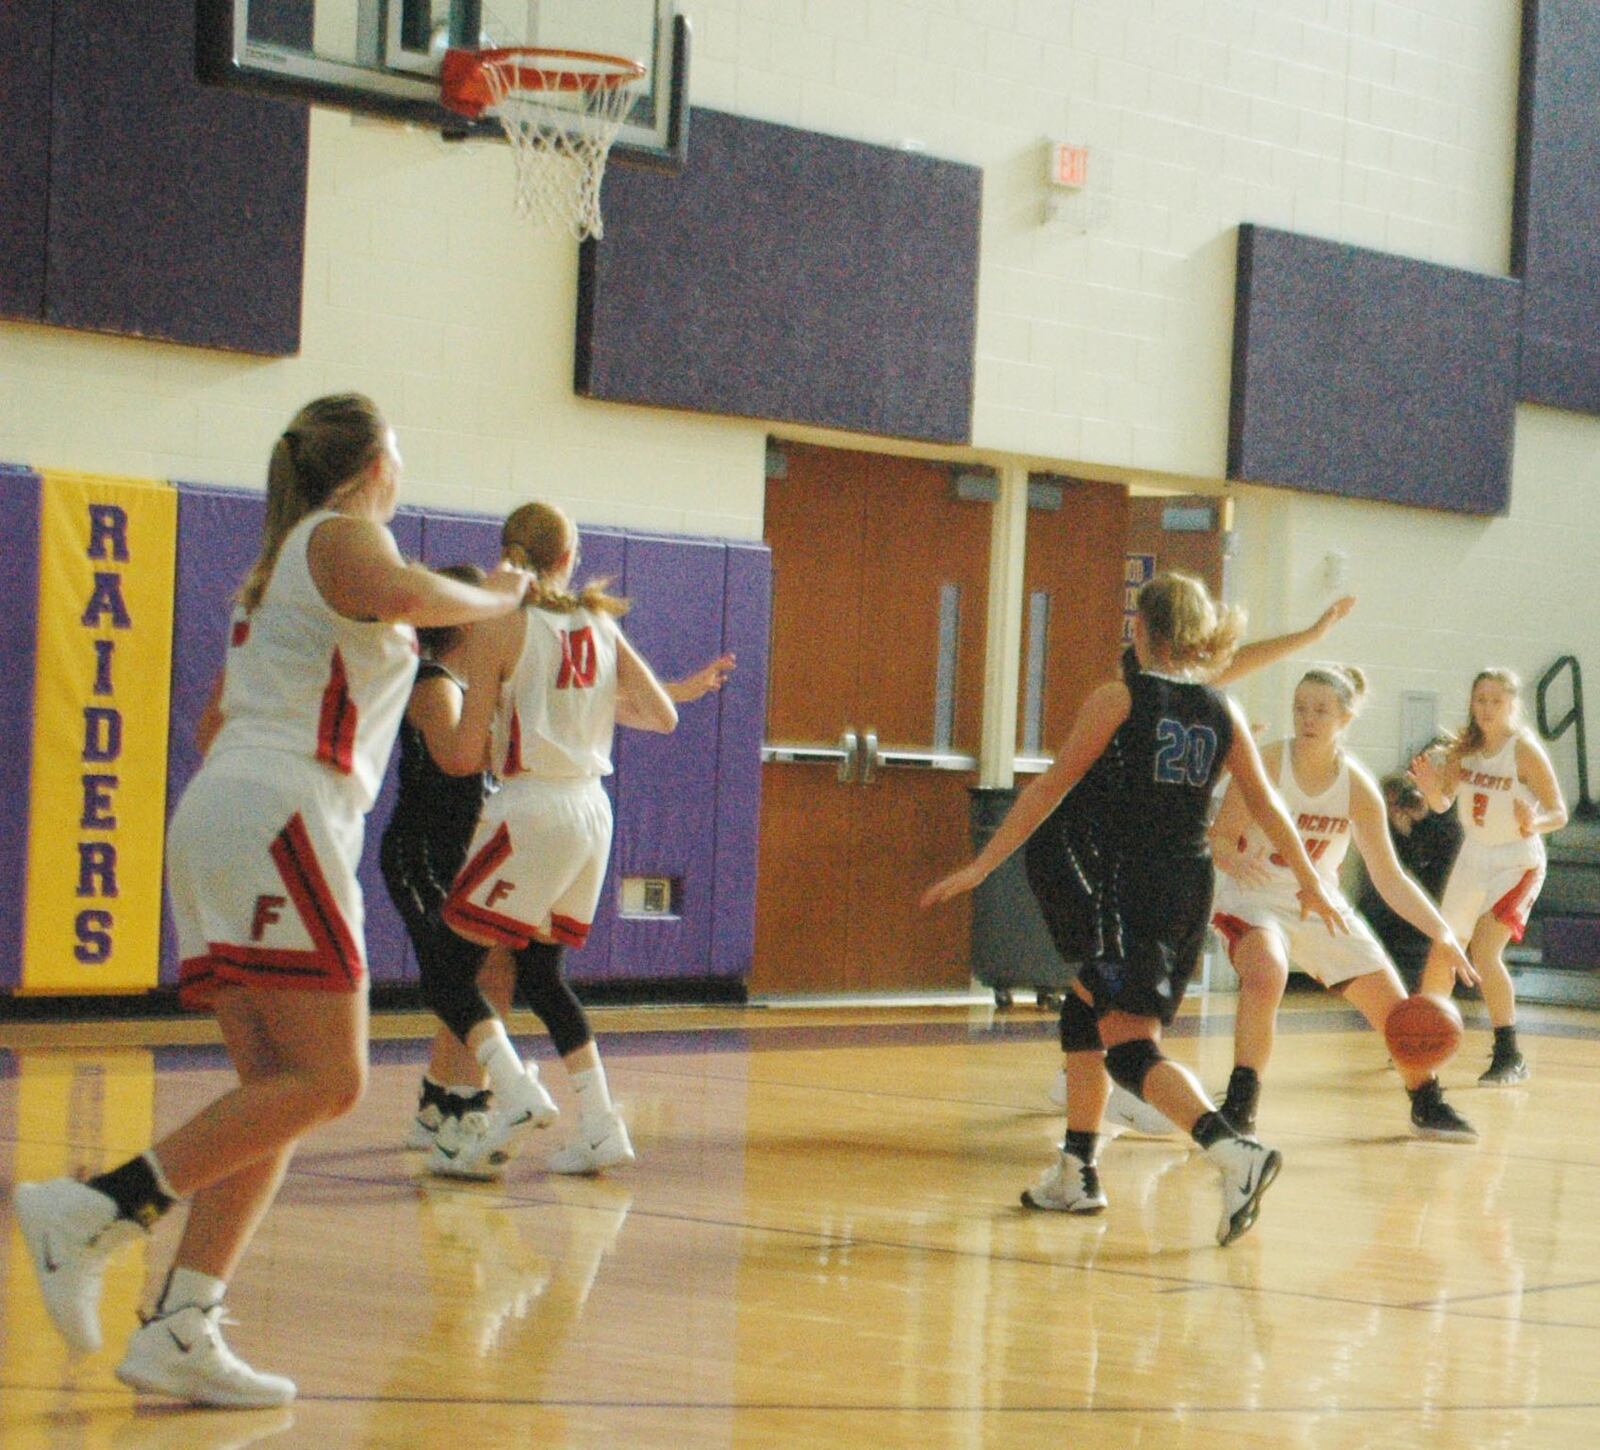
(1184, 753)
(1480, 807)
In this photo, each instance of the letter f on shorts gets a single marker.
(498, 892)
(268, 910)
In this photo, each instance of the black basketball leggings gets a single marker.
(449, 971)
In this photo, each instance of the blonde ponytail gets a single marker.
(538, 536)
(1348, 682)
(326, 445)
(1182, 620)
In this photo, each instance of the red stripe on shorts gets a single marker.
(460, 912)
(1512, 909)
(568, 930)
(1232, 930)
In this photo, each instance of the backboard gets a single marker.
(383, 57)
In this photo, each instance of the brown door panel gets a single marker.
(911, 828)
(1075, 555)
(804, 881)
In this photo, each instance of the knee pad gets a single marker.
(1080, 1030)
(1130, 1062)
(448, 966)
(544, 992)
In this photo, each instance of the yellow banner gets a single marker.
(97, 810)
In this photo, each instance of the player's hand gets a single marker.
(1248, 868)
(1428, 774)
(1333, 614)
(1527, 816)
(708, 679)
(966, 879)
(506, 578)
(1315, 901)
(1460, 963)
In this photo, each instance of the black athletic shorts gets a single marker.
(1153, 918)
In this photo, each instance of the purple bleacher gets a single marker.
(19, 577)
(747, 619)
(667, 784)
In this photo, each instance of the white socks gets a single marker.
(594, 1097)
(499, 1059)
(186, 1287)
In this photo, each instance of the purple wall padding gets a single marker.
(25, 147)
(667, 784)
(746, 629)
(1372, 376)
(176, 210)
(788, 274)
(19, 580)
(1555, 226)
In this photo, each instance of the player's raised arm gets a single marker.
(1091, 732)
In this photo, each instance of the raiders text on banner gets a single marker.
(97, 814)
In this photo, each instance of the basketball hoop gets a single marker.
(560, 110)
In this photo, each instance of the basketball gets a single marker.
(1423, 1031)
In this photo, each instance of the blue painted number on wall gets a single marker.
(1185, 753)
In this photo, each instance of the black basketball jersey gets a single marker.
(1161, 766)
(434, 816)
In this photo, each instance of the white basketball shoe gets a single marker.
(1069, 1186)
(71, 1231)
(183, 1355)
(1248, 1169)
(1124, 1112)
(603, 1145)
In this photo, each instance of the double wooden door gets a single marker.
(879, 581)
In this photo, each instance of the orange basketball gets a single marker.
(1423, 1031)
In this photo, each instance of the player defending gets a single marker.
(1168, 736)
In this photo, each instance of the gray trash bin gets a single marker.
(1011, 946)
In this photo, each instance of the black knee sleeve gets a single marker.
(448, 965)
(1080, 1031)
(544, 992)
(1130, 1062)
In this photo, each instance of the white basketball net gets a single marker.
(560, 139)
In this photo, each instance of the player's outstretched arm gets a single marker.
(1267, 810)
(1227, 835)
(706, 680)
(642, 700)
(1097, 722)
(1249, 658)
(1369, 825)
(358, 570)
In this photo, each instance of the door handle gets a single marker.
(849, 756)
(869, 757)
(842, 755)
(923, 760)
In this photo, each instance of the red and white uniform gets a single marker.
(539, 855)
(263, 848)
(1323, 822)
(1499, 871)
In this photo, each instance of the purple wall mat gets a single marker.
(389, 955)
(845, 293)
(747, 622)
(667, 784)
(19, 579)
(25, 37)
(176, 210)
(1372, 376)
(219, 534)
(1555, 222)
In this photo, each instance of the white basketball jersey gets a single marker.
(560, 704)
(1323, 821)
(303, 679)
(1489, 786)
